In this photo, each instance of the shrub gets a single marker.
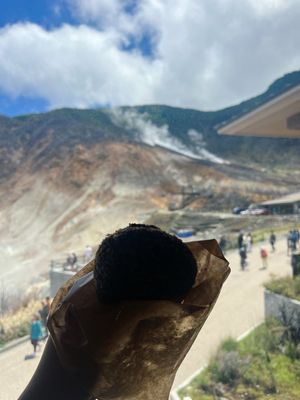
(297, 286)
(229, 345)
(286, 286)
(227, 367)
(16, 324)
(264, 365)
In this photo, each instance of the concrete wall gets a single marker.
(283, 308)
(57, 278)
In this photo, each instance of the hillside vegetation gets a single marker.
(263, 366)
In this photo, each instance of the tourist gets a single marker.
(290, 242)
(243, 256)
(264, 257)
(294, 239)
(36, 333)
(249, 242)
(241, 239)
(297, 236)
(71, 261)
(44, 313)
(272, 240)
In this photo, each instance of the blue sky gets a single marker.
(51, 14)
(41, 12)
(203, 54)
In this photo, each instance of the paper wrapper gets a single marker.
(132, 349)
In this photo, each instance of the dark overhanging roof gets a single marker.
(278, 117)
(288, 199)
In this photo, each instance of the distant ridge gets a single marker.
(278, 87)
(56, 133)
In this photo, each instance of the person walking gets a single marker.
(36, 333)
(243, 256)
(272, 240)
(249, 241)
(44, 312)
(240, 239)
(264, 257)
(297, 233)
(71, 261)
(294, 240)
(289, 242)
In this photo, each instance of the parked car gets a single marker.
(246, 212)
(261, 211)
(256, 211)
(238, 210)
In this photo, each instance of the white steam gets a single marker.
(199, 143)
(148, 133)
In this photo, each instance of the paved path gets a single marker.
(239, 308)
(15, 373)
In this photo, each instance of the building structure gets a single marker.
(289, 204)
(279, 117)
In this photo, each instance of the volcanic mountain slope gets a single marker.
(186, 131)
(188, 126)
(68, 177)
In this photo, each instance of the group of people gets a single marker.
(245, 243)
(71, 262)
(38, 327)
(72, 259)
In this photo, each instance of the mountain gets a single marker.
(68, 177)
(268, 151)
(60, 130)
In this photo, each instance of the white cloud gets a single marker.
(219, 52)
(102, 11)
(208, 54)
(263, 7)
(75, 66)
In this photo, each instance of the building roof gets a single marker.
(289, 199)
(279, 117)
